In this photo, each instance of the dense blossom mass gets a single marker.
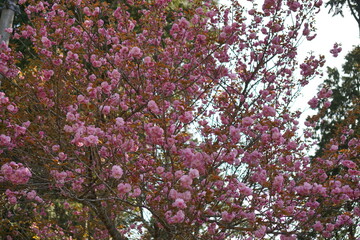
(158, 120)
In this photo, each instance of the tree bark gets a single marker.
(6, 21)
(102, 214)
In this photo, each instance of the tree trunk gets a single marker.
(6, 21)
(102, 214)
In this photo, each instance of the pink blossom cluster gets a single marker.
(6, 104)
(13, 196)
(293, 5)
(155, 134)
(153, 107)
(116, 172)
(7, 65)
(178, 217)
(124, 188)
(336, 50)
(16, 173)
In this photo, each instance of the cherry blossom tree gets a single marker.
(168, 124)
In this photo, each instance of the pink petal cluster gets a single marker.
(227, 217)
(153, 107)
(179, 203)
(247, 121)
(313, 102)
(16, 173)
(186, 181)
(177, 218)
(116, 172)
(123, 188)
(336, 50)
(268, 111)
(186, 117)
(135, 52)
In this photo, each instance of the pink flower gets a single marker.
(247, 121)
(155, 132)
(87, 11)
(88, 23)
(16, 173)
(260, 233)
(12, 200)
(59, 176)
(278, 183)
(268, 111)
(91, 140)
(292, 145)
(119, 121)
(46, 42)
(62, 156)
(106, 88)
(179, 203)
(201, 38)
(318, 3)
(5, 140)
(268, 4)
(313, 102)
(136, 192)
(11, 108)
(327, 104)
(160, 170)
(336, 50)
(334, 148)
(105, 110)
(123, 188)
(184, 23)
(329, 227)
(70, 117)
(304, 189)
(294, 5)
(235, 133)
(179, 174)
(173, 194)
(186, 117)
(244, 189)
(348, 164)
(96, 63)
(186, 181)
(38, 199)
(153, 107)
(31, 195)
(116, 172)
(178, 217)
(194, 173)
(80, 98)
(55, 148)
(135, 52)
(318, 226)
(148, 61)
(227, 217)
(306, 30)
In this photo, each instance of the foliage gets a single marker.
(145, 126)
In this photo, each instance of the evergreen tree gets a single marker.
(346, 94)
